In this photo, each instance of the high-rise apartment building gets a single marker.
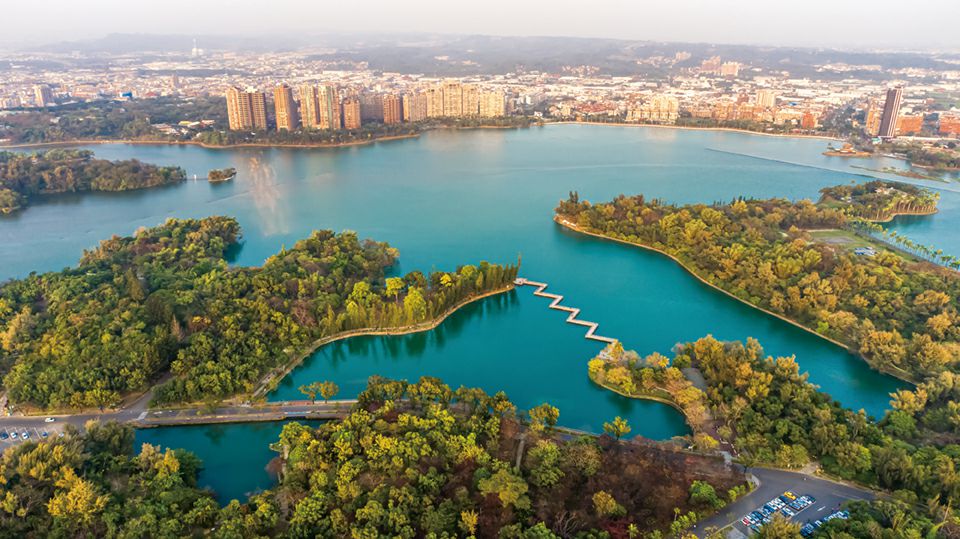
(660, 109)
(891, 109)
(909, 125)
(330, 108)
(711, 66)
(766, 99)
(452, 99)
(285, 108)
(351, 113)
(871, 120)
(371, 107)
(392, 109)
(414, 107)
(435, 102)
(492, 104)
(470, 100)
(246, 109)
(42, 95)
(949, 124)
(309, 107)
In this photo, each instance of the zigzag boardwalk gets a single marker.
(574, 312)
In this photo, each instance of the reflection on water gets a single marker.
(271, 207)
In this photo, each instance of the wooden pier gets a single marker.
(572, 318)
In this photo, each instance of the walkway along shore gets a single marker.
(692, 128)
(904, 376)
(266, 384)
(162, 142)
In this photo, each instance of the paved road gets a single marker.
(773, 483)
(137, 414)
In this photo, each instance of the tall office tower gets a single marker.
(309, 107)
(246, 109)
(392, 109)
(285, 108)
(766, 99)
(871, 124)
(414, 107)
(42, 95)
(891, 109)
(435, 102)
(452, 99)
(492, 104)
(470, 100)
(351, 113)
(330, 108)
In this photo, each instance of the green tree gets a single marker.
(618, 428)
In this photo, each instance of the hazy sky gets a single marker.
(834, 23)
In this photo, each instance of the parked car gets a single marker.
(790, 495)
(49, 420)
(4, 435)
(14, 435)
(787, 512)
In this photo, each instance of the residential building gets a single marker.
(435, 102)
(730, 69)
(285, 108)
(659, 109)
(470, 100)
(246, 109)
(309, 107)
(352, 118)
(329, 105)
(891, 109)
(909, 125)
(809, 121)
(871, 123)
(371, 107)
(492, 104)
(766, 99)
(414, 107)
(711, 66)
(949, 124)
(392, 109)
(42, 95)
(452, 99)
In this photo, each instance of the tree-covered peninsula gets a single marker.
(806, 263)
(163, 303)
(770, 414)
(410, 460)
(24, 176)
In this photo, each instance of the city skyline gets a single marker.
(817, 24)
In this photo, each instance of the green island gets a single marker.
(764, 409)
(410, 460)
(23, 177)
(221, 174)
(164, 306)
(808, 264)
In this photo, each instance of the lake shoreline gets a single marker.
(570, 226)
(691, 128)
(264, 387)
(161, 142)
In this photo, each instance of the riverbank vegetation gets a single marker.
(902, 316)
(654, 377)
(879, 200)
(164, 301)
(23, 177)
(410, 460)
(95, 485)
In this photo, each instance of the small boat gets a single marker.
(218, 175)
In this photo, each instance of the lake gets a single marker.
(456, 197)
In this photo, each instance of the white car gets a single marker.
(49, 420)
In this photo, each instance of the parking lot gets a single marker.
(12, 435)
(790, 505)
(828, 497)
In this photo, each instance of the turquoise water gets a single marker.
(459, 197)
(243, 473)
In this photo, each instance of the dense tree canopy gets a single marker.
(165, 301)
(23, 176)
(902, 316)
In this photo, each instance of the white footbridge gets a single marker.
(574, 312)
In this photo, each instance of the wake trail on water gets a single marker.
(911, 181)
